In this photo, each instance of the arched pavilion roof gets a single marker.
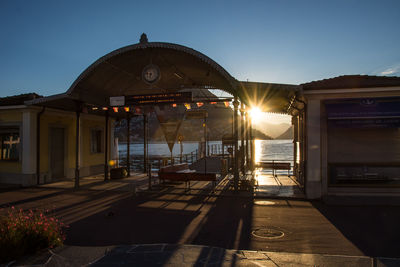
(119, 73)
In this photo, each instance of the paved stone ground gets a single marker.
(110, 214)
(282, 185)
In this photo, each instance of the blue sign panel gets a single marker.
(363, 108)
(364, 113)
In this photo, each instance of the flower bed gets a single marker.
(26, 232)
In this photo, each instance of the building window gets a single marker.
(10, 144)
(96, 143)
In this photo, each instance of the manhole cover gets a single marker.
(268, 233)
(264, 203)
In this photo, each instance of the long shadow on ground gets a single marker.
(128, 223)
(373, 229)
(228, 224)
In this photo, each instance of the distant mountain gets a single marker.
(271, 129)
(288, 134)
(260, 135)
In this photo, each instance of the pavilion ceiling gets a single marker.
(269, 97)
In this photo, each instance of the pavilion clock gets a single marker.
(151, 74)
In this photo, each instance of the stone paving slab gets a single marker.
(190, 255)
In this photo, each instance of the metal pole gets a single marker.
(106, 150)
(247, 140)
(144, 142)
(235, 140)
(252, 154)
(242, 137)
(205, 144)
(128, 144)
(181, 144)
(77, 137)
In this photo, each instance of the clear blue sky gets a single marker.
(45, 45)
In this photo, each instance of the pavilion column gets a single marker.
(145, 142)
(252, 152)
(247, 139)
(295, 124)
(242, 158)
(313, 183)
(77, 147)
(106, 149)
(128, 143)
(235, 140)
(302, 147)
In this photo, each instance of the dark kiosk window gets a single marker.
(10, 144)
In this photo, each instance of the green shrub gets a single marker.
(26, 232)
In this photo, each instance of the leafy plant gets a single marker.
(26, 232)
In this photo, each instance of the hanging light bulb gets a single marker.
(187, 106)
(200, 104)
(126, 109)
(115, 109)
(226, 104)
(105, 108)
(174, 105)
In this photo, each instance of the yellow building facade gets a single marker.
(33, 155)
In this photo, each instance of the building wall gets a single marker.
(316, 185)
(24, 170)
(91, 162)
(59, 119)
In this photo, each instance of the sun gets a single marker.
(256, 114)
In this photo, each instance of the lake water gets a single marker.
(281, 150)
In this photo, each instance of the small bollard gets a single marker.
(134, 193)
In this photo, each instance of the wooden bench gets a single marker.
(182, 173)
(275, 166)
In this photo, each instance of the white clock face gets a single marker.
(151, 73)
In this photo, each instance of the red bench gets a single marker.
(181, 172)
